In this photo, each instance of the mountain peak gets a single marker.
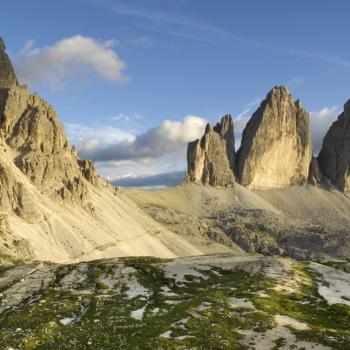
(276, 146)
(278, 91)
(7, 75)
(211, 160)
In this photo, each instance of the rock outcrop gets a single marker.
(211, 160)
(334, 157)
(276, 147)
(30, 126)
(7, 75)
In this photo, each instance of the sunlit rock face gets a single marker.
(276, 148)
(211, 159)
(334, 157)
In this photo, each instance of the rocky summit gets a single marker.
(275, 152)
(276, 147)
(31, 128)
(7, 74)
(211, 160)
(334, 157)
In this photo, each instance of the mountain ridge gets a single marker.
(276, 150)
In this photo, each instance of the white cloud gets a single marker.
(54, 65)
(106, 144)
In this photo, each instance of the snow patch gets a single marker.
(338, 284)
(138, 314)
(66, 321)
(166, 334)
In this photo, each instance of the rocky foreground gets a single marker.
(211, 302)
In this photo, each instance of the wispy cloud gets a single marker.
(127, 117)
(248, 108)
(172, 19)
(241, 120)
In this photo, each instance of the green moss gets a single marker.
(310, 308)
(197, 315)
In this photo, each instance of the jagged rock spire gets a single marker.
(334, 157)
(31, 128)
(276, 147)
(211, 160)
(7, 75)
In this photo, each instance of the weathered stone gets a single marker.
(211, 160)
(15, 198)
(89, 171)
(315, 174)
(276, 147)
(334, 157)
(30, 126)
(7, 75)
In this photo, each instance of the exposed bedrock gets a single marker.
(276, 148)
(211, 159)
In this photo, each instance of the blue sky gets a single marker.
(136, 80)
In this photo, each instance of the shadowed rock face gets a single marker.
(276, 147)
(315, 175)
(211, 160)
(334, 157)
(7, 75)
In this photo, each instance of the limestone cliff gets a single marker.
(39, 146)
(334, 157)
(276, 148)
(7, 75)
(211, 159)
(30, 126)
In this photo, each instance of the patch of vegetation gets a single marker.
(310, 308)
(9, 260)
(196, 313)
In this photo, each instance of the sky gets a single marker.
(134, 81)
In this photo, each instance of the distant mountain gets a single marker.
(275, 152)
